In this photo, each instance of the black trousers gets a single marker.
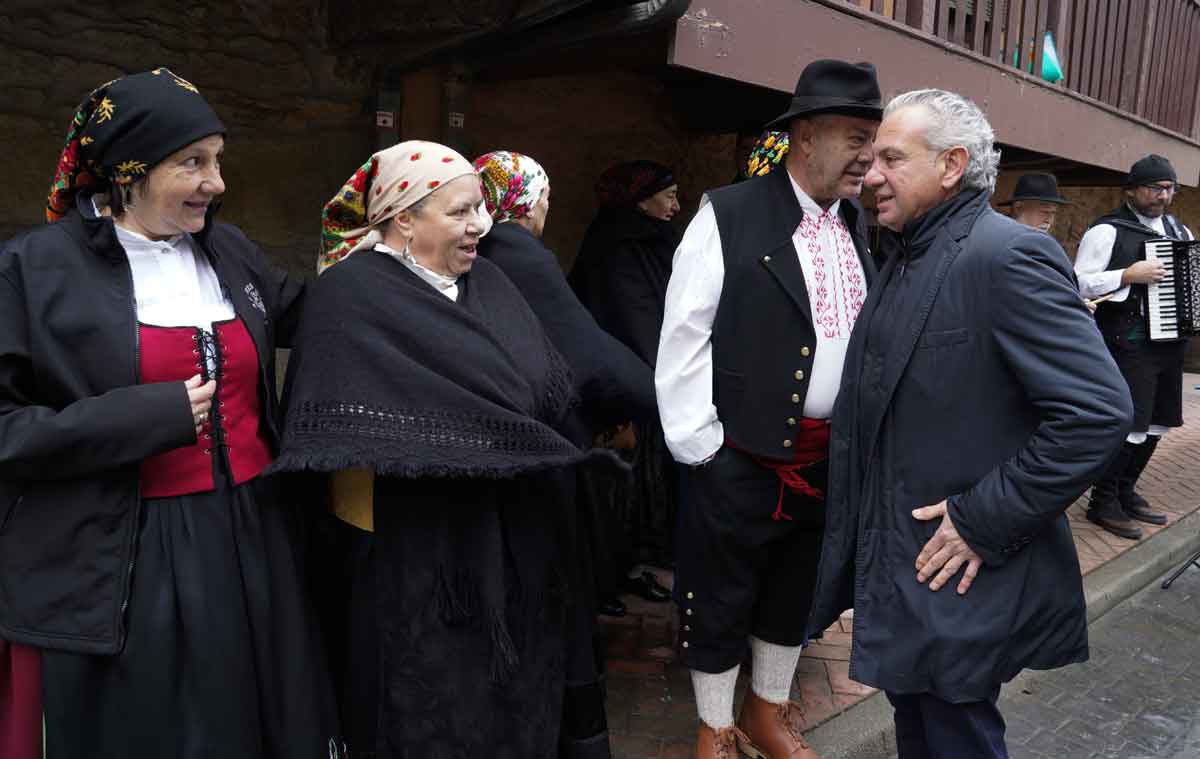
(741, 572)
(1154, 373)
(929, 728)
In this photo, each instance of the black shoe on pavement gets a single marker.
(611, 607)
(1137, 508)
(1121, 526)
(647, 587)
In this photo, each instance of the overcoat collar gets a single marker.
(959, 218)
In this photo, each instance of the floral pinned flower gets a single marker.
(769, 151)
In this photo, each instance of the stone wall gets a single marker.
(577, 126)
(297, 116)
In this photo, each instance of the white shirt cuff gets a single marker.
(700, 447)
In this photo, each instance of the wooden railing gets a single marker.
(1141, 56)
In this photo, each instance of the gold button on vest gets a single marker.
(795, 398)
(799, 374)
(787, 443)
(805, 351)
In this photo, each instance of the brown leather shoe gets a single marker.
(725, 743)
(774, 729)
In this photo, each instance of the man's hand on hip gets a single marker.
(945, 553)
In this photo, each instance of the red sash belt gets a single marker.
(812, 447)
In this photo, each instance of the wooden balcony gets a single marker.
(1131, 73)
(1136, 55)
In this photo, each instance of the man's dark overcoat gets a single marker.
(992, 388)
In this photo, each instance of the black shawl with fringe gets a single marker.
(392, 375)
(454, 405)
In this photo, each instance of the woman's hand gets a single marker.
(200, 394)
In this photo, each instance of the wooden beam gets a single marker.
(1134, 40)
(921, 15)
(979, 22)
(1039, 36)
(1012, 51)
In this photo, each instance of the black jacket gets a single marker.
(621, 276)
(985, 383)
(75, 423)
(1118, 320)
(611, 381)
(764, 344)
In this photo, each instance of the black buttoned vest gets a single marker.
(1120, 320)
(763, 339)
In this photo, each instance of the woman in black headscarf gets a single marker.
(140, 546)
(621, 275)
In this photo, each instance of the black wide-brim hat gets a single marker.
(1036, 187)
(829, 86)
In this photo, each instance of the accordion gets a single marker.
(1173, 305)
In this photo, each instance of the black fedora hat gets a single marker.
(1037, 187)
(829, 86)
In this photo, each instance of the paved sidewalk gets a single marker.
(650, 707)
(1138, 697)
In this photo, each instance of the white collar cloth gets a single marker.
(447, 286)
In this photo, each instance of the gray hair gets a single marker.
(957, 122)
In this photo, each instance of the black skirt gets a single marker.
(455, 566)
(221, 658)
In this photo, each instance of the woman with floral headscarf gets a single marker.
(142, 549)
(614, 387)
(621, 275)
(424, 389)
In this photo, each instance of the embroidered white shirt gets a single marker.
(447, 286)
(1094, 254)
(683, 376)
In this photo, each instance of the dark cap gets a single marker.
(1152, 168)
(829, 86)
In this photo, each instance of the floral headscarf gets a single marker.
(391, 181)
(124, 128)
(512, 184)
(627, 184)
(768, 152)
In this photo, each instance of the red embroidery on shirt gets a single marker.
(837, 290)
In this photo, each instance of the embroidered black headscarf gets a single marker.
(124, 128)
(627, 184)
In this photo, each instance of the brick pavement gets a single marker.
(650, 707)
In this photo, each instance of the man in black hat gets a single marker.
(765, 288)
(1111, 261)
(1035, 201)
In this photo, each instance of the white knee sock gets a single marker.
(714, 697)
(774, 668)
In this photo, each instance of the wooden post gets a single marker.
(1143, 81)
(920, 15)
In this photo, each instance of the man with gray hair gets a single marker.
(977, 403)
